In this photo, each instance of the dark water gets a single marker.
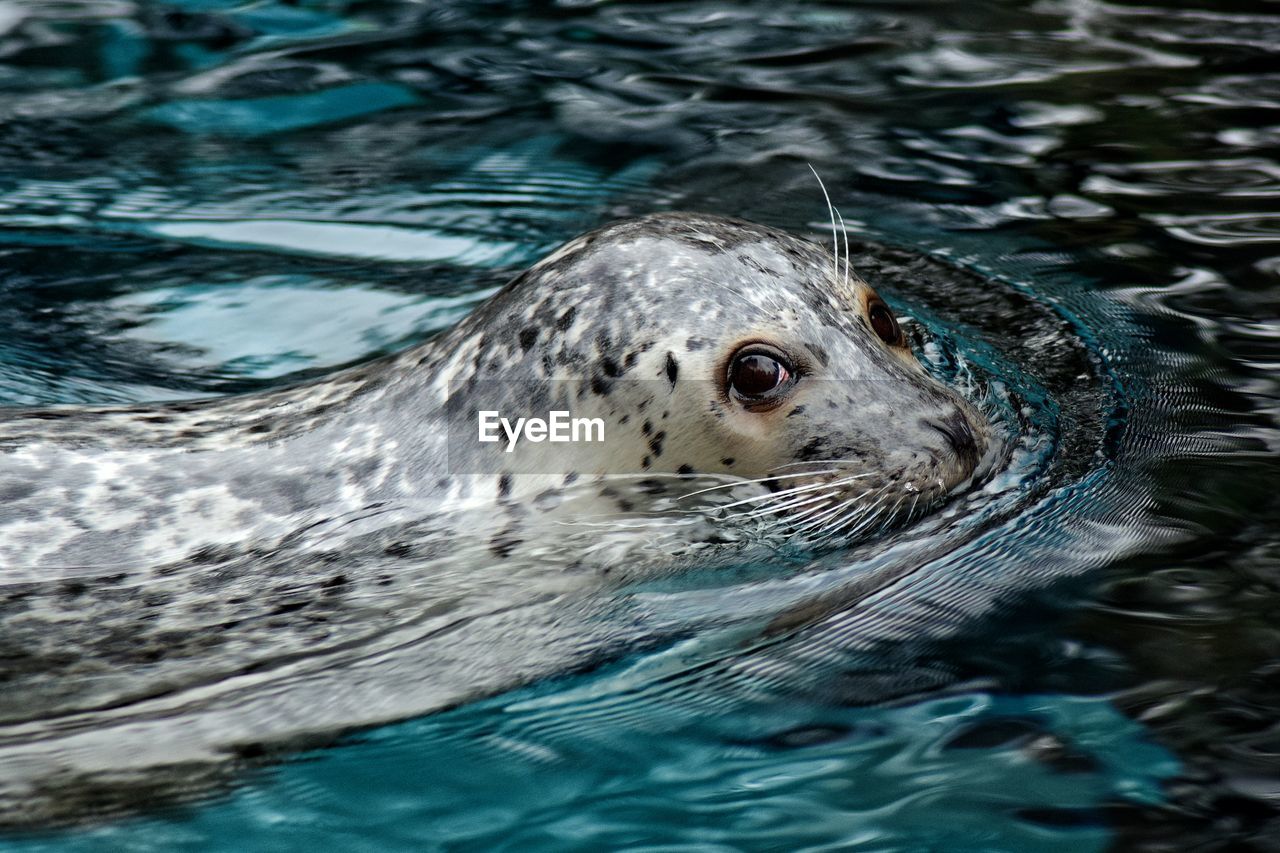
(1076, 202)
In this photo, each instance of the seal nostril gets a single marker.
(955, 428)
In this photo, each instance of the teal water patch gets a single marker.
(347, 239)
(963, 773)
(308, 324)
(280, 113)
(275, 23)
(124, 50)
(206, 5)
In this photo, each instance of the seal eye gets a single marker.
(884, 323)
(757, 374)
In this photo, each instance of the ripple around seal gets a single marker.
(194, 329)
(211, 252)
(536, 185)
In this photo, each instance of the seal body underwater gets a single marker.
(183, 585)
(707, 347)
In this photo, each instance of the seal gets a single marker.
(189, 584)
(706, 347)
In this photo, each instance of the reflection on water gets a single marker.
(1077, 202)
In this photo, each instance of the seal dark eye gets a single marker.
(759, 374)
(884, 323)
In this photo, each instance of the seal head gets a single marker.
(714, 346)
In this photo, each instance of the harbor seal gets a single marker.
(699, 346)
(186, 586)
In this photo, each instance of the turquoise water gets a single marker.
(539, 773)
(1073, 202)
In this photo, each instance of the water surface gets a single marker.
(1078, 205)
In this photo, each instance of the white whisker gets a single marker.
(786, 493)
(859, 519)
(774, 509)
(845, 232)
(839, 508)
(835, 245)
(807, 500)
(744, 482)
(888, 519)
(817, 462)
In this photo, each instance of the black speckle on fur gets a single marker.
(655, 442)
(504, 486)
(566, 319)
(503, 544)
(812, 450)
(673, 369)
(798, 410)
(398, 549)
(528, 337)
(685, 469)
(727, 461)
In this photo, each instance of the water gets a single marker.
(1077, 203)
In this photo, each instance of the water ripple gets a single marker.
(1238, 178)
(1071, 199)
(1233, 229)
